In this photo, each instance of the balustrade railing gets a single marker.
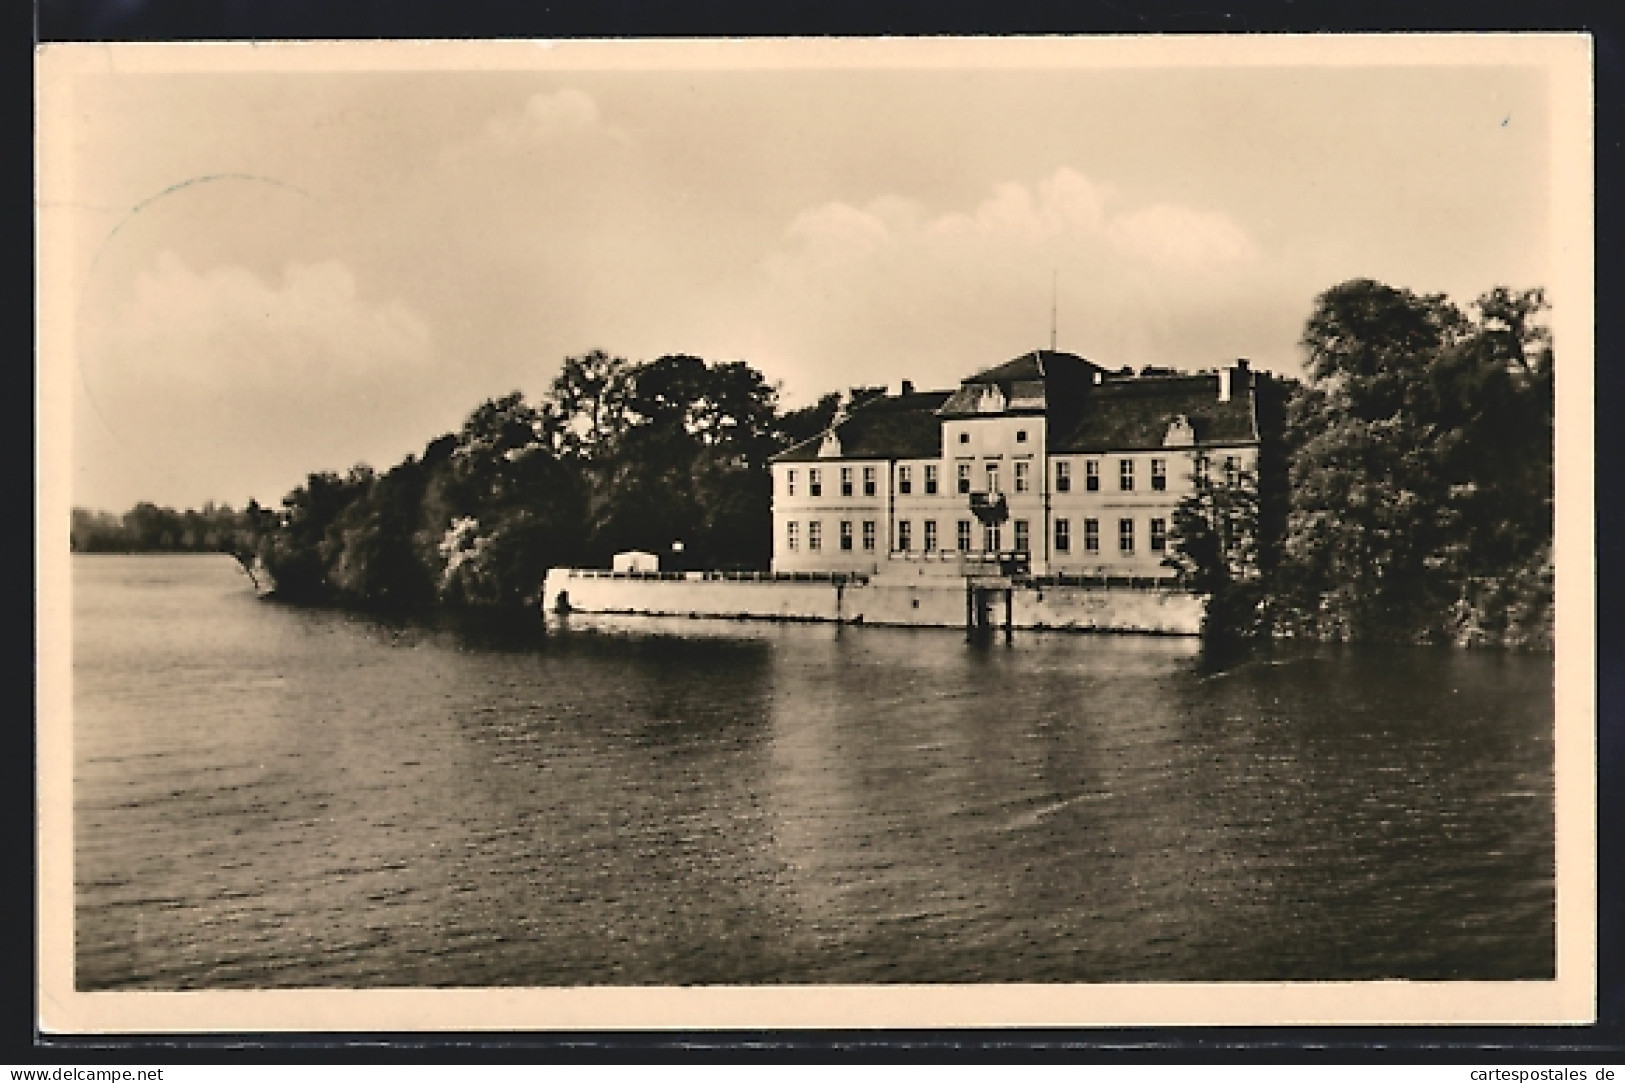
(1011, 564)
(719, 576)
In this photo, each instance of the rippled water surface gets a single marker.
(269, 796)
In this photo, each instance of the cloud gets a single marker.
(228, 323)
(547, 117)
(836, 233)
(1064, 203)
(1180, 239)
(1063, 209)
(864, 288)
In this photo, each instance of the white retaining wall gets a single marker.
(781, 600)
(1113, 610)
(932, 602)
(935, 603)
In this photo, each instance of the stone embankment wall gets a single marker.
(1112, 609)
(695, 596)
(937, 604)
(925, 602)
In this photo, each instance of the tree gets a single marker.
(147, 528)
(243, 540)
(691, 465)
(96, 532)
(1213, 547)
(617, 456)
(499, 507)
(375, 563)
(150, 528)
(808, 421)
(587, 408)
(298, 554)
(1421, 461)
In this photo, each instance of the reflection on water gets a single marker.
(268, 796)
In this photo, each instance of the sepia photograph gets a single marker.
(839, 532)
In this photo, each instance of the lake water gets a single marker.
(271, 796)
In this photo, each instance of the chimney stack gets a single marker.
(1236, 378)
(908, 387)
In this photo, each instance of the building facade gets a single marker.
(1047, 463)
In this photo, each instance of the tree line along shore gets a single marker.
(1404, 489)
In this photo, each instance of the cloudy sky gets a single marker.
(278, 272)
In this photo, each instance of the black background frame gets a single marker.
(172, 20)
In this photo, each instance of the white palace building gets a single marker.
(1047, 465)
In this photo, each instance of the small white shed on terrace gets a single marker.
(635, 560)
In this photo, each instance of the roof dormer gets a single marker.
(990, 399)
(1180, 432)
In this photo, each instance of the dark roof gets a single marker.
(1026, 382)
(1121, 413)
(1128, 414)
(1034, 365)
(887, 427)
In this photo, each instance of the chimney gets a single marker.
(908, 387)
(1234, 379)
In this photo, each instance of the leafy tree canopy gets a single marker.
(1417, 468)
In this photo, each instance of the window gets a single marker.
(992, 477)
(1125, 536)
(1229, 469)
(1022, 482)
(846, 535)
(815, 536)
(930, 480)
(964, 477)
(1159, 474)
(1021, 536)
(868, 535)
(846, 481)
(1091, 535)
(1125, 475)
(905, 535)
(1021, 436)
(962, 535)
(905, 479)
(1159, 535)
(868, 481)
(1063, 536)
(930, 535)
(990, 539)
(1201, 471)
(1091, 475)
(790, 532)
(964, 438)
(789, 483)
(815, 484)
(1063, 477)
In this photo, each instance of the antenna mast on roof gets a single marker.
(1054, 277)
